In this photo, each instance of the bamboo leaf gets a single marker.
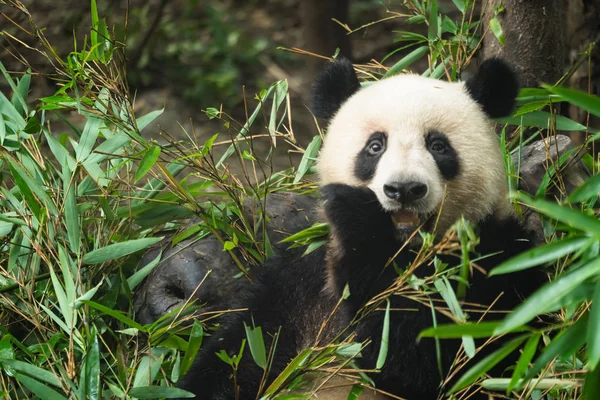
(433, 29)
(149, 159)
(562, 345)
(548, 296)
(194, 344)
(542, 254)
(543, 119)
(591, 385)
(523, 363)
(118, 250)
(257, 345)
(160, 392)
(142, 273)
(115, 314)
(309, 158)
(88, 138)
(475, 330)
(90, 373)
(583, 100)
(385, 334)
(486, 364)
(565, 215)
(593, 331)
(41, 390)
(590, 189)
(145, 120)
(496, 29)
(32, 370)
(407, 60)
(70, 209)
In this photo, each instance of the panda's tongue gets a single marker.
(405, 217)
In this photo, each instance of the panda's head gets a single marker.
(425, 147)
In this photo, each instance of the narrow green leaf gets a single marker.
(593, 331)
(591, 385)
(65, 305)
(475, 330)
(88, 138)
(316, 230)
(149, 159)
(355, 392)
(19, 104)
(542, 254)
(2, 130)
(194, 344)
(32, 370)
(91, 369)
(142, 273)
(70, 209)
(565, 215)
(309, 158)
(115, 314)
(160, 392)
(433, 28)
(257, 345)
(87, 295)
(18, 175)
(19, 98)
(144, 121)
(281, 91)
(118, 250)
(486, 364)
(460, 4)
(496, 29)
(148, 368)
(562, 346)
(523, 363)
(94, 33)
(583, 100)
(548, 296)
(41, 390)
(590, 189)
(385, 334)
(543, 119)
(407, 60)
(292, 367)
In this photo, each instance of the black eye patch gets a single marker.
(443, 153)
(368, 158)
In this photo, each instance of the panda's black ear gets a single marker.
(332, 87)
(495, 86)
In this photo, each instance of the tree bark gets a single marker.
(583, 29)
(321, 34)
(534, 36)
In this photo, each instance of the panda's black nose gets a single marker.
(405, 192)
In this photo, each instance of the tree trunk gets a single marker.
(583, 30)
(534, 35)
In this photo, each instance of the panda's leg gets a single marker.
(362, 240)
(363, 243)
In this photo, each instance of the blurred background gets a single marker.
(187, 55)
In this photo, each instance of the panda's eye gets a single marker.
(438, 146)
(375, 147)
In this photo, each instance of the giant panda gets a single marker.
(402, 154)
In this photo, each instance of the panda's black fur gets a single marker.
(294, 294)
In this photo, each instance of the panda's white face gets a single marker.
(423, 146)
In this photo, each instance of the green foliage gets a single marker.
(77, 210)
(209, 55)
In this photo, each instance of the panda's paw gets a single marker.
(353, 209)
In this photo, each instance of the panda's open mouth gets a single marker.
(406, 219)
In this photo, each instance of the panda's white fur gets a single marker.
(407, 107)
